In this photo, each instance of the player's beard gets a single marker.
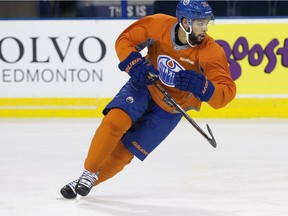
(195, 40)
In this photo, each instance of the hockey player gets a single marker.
(188, 64)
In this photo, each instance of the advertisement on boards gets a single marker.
(59, 59)
(257, 52)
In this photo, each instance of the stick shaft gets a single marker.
(181, 110)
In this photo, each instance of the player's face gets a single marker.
(200, 27)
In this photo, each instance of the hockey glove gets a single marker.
(138, 69)
(198, 84)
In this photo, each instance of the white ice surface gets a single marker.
(246, 175)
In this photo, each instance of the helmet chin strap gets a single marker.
(187, 33)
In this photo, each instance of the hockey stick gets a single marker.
(171, 102)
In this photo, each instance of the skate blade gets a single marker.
(78, 197)
(60, 197)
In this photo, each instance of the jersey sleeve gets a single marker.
(140, 34)
(216, 69)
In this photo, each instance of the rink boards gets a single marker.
(71, 70)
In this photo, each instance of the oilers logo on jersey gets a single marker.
(167, 67)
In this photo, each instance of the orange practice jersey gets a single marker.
(157, 33)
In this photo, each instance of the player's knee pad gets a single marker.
(118, 121)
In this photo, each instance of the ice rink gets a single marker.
(246, 175)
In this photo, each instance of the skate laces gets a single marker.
(88, 179)
(73, 184)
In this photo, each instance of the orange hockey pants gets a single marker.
(107, 153)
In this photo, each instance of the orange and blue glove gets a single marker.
(138, 69)
(196, 83)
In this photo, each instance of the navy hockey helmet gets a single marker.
(193, 9)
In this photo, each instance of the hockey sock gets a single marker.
(119, 158)
(106, 137)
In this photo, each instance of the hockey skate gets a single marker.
(68, 191)
(86, 182)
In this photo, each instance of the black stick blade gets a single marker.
(212, 140)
